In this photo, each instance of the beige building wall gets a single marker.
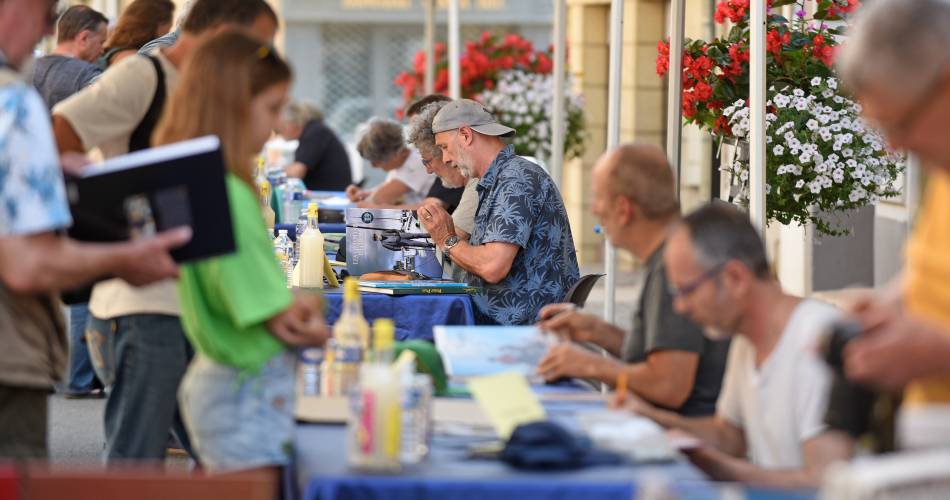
(643, 103)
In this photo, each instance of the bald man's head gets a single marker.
(642, 174)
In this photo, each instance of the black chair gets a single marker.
(578, 293)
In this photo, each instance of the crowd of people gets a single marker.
(205, 351)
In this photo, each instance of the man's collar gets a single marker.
(488, 180)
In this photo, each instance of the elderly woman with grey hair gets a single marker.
(321, 159)
(382, 144)
(454, 190)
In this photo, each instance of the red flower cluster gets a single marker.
(774, 42)
(480, 64)
(663, 57)
(733, 10)
(822, 52)
(835, 10)
(737, 57)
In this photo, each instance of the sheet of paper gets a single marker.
(507, 400)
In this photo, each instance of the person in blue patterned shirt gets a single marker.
(521, 252)
(35, 261)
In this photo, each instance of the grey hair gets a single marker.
(420, 129)
(303, 112)
(379, 140)
(899, 43)
(720, 233)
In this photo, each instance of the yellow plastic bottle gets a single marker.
(311, 252)
(351, 336)
(266, 210)
(375, 431)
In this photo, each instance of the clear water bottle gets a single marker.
(310, 361)
(300, 228)
(416, 417)
(291, 199)
(284, 249)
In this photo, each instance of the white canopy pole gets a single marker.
(613, 138)
(757, 116)
(674, 112)
(455, 75)
(556, 160)
(430, 46)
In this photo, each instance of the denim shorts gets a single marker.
(238, 421)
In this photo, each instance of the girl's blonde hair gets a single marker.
(213, 96)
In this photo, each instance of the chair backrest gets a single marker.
(52, 483)
(578, 293)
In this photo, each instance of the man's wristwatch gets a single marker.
(450, 242)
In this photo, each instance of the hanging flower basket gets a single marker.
(820, 155)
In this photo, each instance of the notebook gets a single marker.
(149, 191)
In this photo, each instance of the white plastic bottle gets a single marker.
(311, 252)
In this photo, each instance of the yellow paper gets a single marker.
(507, 400)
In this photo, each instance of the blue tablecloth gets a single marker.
(414, 315)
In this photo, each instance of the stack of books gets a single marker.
(418, 287)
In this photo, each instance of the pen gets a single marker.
(621, 389)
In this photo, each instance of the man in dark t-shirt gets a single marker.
(665, 358)
(323, 155)
(80, 33)
(321, 160)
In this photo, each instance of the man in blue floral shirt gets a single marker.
(35, 262)
(521, 251)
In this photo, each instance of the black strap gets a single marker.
(142, 135)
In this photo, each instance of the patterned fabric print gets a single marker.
(32, 194)
(518, 203)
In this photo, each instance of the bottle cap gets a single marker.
(384, 334)
(351, 288)
(312, 210)
(265, 188)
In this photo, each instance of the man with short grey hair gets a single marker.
(769, 424)
(521, 252)
(896, 63)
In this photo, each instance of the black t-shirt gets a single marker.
(657, 327)
(328, 166)
(449, 196)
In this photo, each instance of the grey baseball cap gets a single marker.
(468, 113)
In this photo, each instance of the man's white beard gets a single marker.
(463, 165)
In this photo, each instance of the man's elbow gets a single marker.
(495, 273)
(672, 393)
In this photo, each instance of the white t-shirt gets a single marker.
(104, 115)
(413, 173)
(781, 404)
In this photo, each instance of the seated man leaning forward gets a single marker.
(768, 428)
(521, 252)
(665, 358)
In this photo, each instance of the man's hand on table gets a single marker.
(436, 221)
(301, 324)
(356, 194)
(569, 360)
(568, 322)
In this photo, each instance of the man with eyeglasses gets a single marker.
(769, 424)
(36, 261)
(665, 358)
(521, 251)
(897, 64)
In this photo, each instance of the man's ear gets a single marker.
(627, 211)
(467, 135)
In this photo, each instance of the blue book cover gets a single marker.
(471, 351)
(413, 284)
